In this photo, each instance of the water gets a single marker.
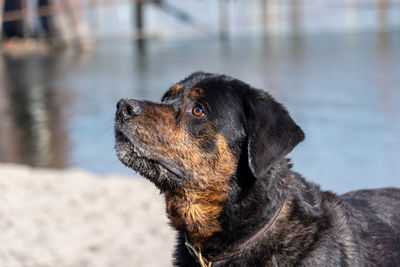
(342, 89)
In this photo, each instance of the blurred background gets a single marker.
(335, 64)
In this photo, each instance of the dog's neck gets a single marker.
(250, 206)
(196, 211)
(246, 213)
(240, 248)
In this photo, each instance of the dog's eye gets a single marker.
(198, 111)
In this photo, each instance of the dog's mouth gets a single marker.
(164, 173)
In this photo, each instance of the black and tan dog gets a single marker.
(215, 147)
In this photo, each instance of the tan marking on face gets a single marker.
(195, 93)
(197, 207)
(175, 89)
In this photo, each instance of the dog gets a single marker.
(215, 147)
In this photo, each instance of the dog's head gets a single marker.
(196, 135)
(208, 132)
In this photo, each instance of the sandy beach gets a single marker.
(74, 218)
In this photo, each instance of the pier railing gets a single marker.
(71, 21)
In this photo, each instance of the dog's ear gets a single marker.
(271, 132)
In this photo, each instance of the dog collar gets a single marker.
(197, 254)
(226, 255)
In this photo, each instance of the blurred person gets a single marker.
(42, 26)
(45, 22)
(21, 31)
(14, 28)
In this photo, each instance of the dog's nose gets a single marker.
(128, 108)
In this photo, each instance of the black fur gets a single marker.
(316, 228)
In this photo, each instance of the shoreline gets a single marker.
(74, 218)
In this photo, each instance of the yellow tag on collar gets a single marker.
(200, 258)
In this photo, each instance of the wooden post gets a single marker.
(223, 19)
(138, 23)
(295, 17)
(382, 16)
(25, 18)
(139, 19)
(94, 5)
(264, 15)
(1, 18)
